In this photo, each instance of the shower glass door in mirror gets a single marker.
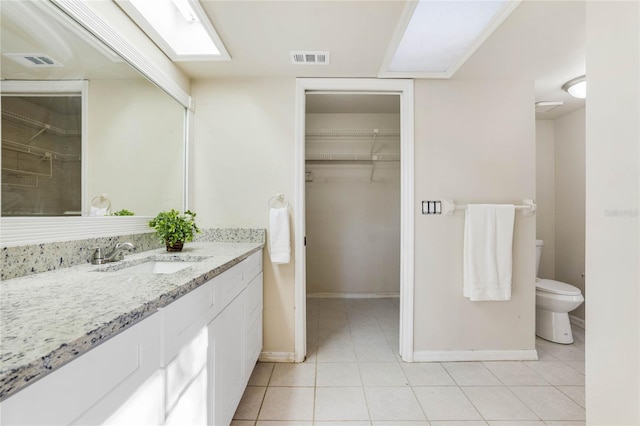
(42, 155)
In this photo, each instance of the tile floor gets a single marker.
(353, 377)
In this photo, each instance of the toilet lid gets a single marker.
(556, 287)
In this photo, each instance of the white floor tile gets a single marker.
(284, 403)
(446, 403)
(544, 355)
(577, 393)
(427, 374)
(354, 376)
(242, 422)
(336, 353)
(393, 403)
(579, 366)
(338, 374)
(382, 374)
(341, 404)
(556, 373)
(250, 403)
(549, 403)
(514, 373)
(471, 374)
(301, 374)
(498, 403)
(261, 374)
(375, 353)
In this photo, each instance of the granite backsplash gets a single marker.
(32, 259)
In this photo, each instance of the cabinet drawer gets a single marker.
(252, 266)
(102, 379)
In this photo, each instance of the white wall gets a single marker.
(242, 155)
(475, 143)
(545, 195)
(136, 134)
(569, 135)
(612, 213)
(352, 215)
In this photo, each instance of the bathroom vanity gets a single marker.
(120, 343)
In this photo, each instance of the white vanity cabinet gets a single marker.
(89, 389)
(188, 363)
(235, 342)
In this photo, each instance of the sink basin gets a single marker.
(150, 266)
(157, 267)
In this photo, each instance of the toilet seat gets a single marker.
(557, 287)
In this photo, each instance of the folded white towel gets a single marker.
(279, 235)
(488, 251)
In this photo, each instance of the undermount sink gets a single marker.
(158, 267)
(151, 265)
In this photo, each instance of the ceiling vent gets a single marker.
(546, 106)
(33, 60)
(310, 58)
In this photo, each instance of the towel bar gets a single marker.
(449, 207)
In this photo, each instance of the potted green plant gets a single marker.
(123, 212)
(174, 228)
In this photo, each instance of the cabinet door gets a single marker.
(226, 358)
(92, 387)
(253, 323)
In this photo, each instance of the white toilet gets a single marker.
(554, 301)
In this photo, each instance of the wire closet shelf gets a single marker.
(351, 145)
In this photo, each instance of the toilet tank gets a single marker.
(539, 244)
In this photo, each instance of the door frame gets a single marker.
(404, 88)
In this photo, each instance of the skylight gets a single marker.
(442, 35)
(180, 28)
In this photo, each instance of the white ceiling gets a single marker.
(27, 29)
(542, 41)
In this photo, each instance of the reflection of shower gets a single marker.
(41, 155)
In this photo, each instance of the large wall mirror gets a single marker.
(82, 130)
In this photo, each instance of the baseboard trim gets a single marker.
(452, 356)
(276, 357)
(327, 295)
(578, 322)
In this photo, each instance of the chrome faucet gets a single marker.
(115, 255)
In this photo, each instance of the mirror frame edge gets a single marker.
(21, 231)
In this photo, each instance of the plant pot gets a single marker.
(175, 247)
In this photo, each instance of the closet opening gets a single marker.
(352, 207)
(354, 226)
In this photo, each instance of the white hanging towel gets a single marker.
(488, 251)
(279, 235)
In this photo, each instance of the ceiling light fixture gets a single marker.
(441, 35)
(186, 10)
(576, 87)
(546, 106)
(180, 28)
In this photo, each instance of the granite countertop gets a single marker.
(48, 319)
